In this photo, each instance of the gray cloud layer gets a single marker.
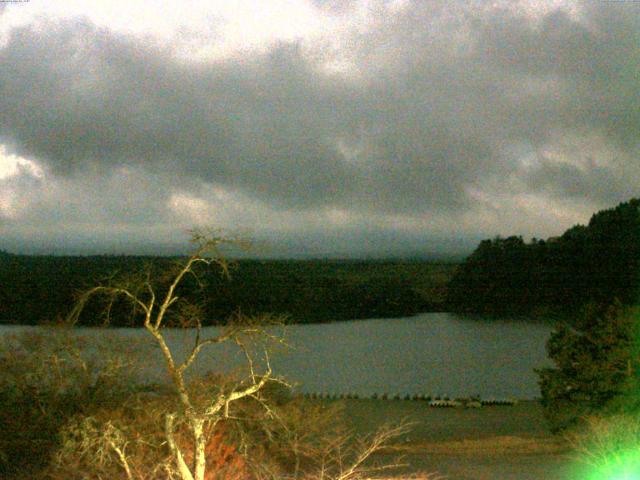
(449, 109)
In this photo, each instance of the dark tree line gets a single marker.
(590, 278)
(596, 263)
(36, 289)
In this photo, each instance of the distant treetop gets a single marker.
(599, 262)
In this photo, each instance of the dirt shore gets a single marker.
(496, 442)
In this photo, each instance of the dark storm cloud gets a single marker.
(583, 78)
(597, 182)
(76, 96)
(594, 64)
(268, 125)
(439, 99)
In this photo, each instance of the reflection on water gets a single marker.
(431, 353)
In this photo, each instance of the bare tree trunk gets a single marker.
(199, 455)
(183, 468)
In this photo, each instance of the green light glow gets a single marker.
(607, 448)
(623, 465)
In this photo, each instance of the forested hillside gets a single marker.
(35, 289)
(594, 263)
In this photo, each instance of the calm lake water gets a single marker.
(431, 354)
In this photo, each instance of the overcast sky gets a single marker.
(324, 127)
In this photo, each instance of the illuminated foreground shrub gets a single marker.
(66, 416)
(128, 441)
(48, 377)
(608, 448)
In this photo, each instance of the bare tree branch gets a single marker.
(199, 344)
(207, 253)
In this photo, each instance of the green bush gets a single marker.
(597, 366)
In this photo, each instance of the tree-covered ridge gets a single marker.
(594, 263)
(35, 289)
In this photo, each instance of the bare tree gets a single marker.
(345, 460)
(317, 445)
(156, 304)
(198, 409)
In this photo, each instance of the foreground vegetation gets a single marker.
(75, 409)
(592, 395)
(72, 407)
(597, 366)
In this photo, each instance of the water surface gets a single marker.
(430, 354)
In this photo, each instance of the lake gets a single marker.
(429, 354)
